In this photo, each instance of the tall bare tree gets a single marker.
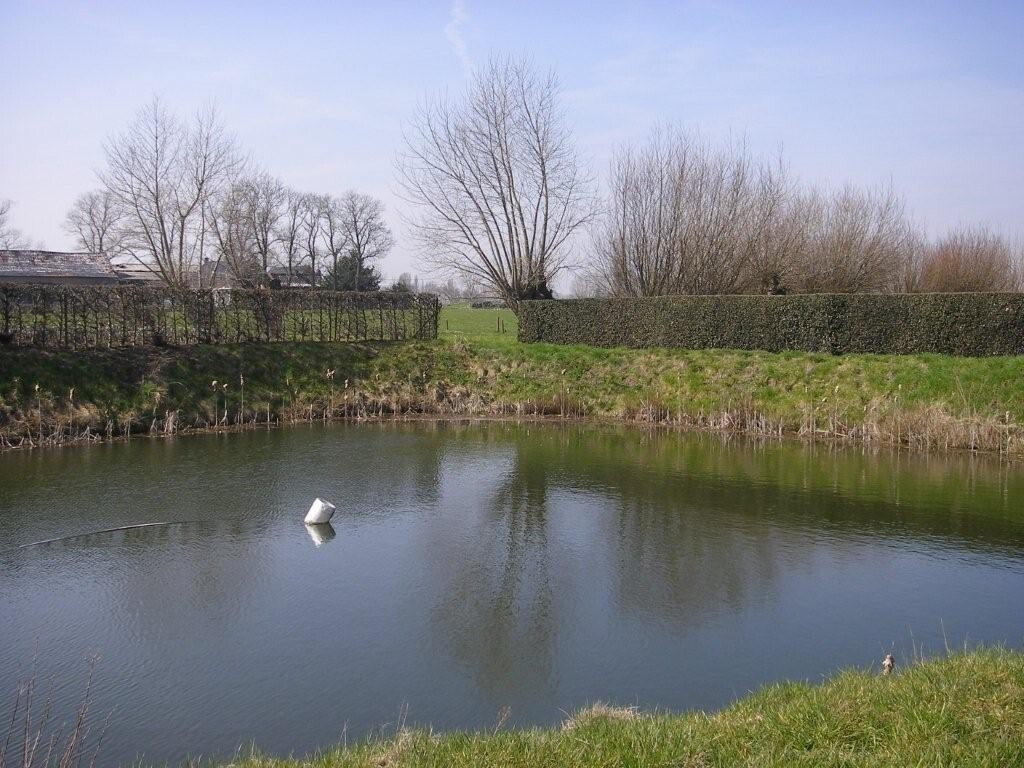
(265, 198)
(163, 175)
(495, 182)
(289, 231)
(11, 238)
(311, 220)
(234, 237)
(95, 222)
(368, 236)
(335, 236)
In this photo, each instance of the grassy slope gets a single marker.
(473, 369)
(963, 710)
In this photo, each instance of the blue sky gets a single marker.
(927, 96)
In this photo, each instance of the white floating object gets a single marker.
(320, 533)
(321, 512)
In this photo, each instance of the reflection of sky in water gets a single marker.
(470, 569)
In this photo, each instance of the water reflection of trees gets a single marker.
(810, 487)
(678, 549)
(689, 526)
(496, 616)
(678, 563)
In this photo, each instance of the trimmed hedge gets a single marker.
(86, 317)
(967, 324)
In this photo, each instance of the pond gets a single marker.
(475, 568)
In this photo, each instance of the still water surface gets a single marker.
(475, 568)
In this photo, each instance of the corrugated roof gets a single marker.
(136, 271)
(51, 264)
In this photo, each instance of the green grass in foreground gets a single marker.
(963, 710)
(922, 400)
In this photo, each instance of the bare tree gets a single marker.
(10, 237)
(368, 236)
(590, 282)
(687, 217)
(495, 182)
(311, 221)
(234, 237)
(243, 221)
(406, 282)
(95, 222)
(335, 235)
(163, 175)
(265, 198)
(969, 259)
(289, 231)
(449, 291)
(854, 240)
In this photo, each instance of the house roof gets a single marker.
(134, 271)
(54, 264)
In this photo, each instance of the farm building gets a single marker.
(298, 276)
(137, 273)
(24, 266)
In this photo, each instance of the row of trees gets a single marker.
(499, 198)
(688, 217)
(175, 196)
(499, 194)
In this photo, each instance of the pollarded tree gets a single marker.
(689, 217)
(495, 182)
(854, 240)
(968, 259)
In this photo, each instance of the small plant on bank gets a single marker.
(35, 740)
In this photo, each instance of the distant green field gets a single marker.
(461, 320)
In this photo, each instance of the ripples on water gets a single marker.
(473, 568)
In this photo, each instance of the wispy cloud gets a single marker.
(457, 18)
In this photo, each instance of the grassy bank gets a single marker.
(474, 370)
(963, 710)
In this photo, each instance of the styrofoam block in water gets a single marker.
(320, 512)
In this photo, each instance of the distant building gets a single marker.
(299, 276)
(208, 274)
(137, 273)
(56, 267)
(215, 274)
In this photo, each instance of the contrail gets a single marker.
(457, 17)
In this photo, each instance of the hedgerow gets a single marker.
(966, 324)
(85, 317)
